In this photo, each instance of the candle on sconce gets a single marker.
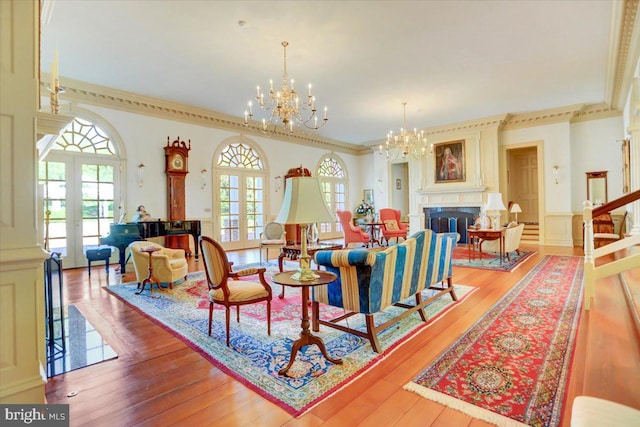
(309, 89)
(325, 112)
(54, 73)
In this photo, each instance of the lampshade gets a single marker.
(494, 202)
(515, 208)
(303, 202)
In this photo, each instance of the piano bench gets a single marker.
(99, 254)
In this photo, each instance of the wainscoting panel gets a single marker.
(558, 229)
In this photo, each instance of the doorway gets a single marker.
(522, 182)
(399, 188)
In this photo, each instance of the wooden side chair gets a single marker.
(601, 238)
(226, 289)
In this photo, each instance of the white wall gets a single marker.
(596, 146)
(557, 151)
(144, 137)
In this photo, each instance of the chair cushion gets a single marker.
(177, 263)
(391, 224)
(240, 290)
(272, 242)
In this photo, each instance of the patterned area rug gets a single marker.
(489, 261)
(512, 365)
(254, 358)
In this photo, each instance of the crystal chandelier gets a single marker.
(284, 106)
(406, 143)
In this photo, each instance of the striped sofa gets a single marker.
(371, 281)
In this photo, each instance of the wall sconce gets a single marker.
(203, 173)
(140, 174)
(278, 183)
(555, 172)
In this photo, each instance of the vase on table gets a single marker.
(313, 236)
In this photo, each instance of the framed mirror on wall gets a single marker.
(597, 187)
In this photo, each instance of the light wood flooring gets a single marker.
(158, 381)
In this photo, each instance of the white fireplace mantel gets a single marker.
(451, 196)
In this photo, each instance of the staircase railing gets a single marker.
(629, 261)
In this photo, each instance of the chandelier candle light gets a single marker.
(303, 204)
(406, 143)
(285, 106)
(495, 204)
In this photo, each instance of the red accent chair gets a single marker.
(352, 234)
(392, 228)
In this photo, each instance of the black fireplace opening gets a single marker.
(451, 220)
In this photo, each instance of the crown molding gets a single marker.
(625, 50)
(87, 93)
(76, 91)
(571, 114)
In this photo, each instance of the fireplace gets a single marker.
(451, 219)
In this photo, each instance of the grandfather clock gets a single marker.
(176, 154)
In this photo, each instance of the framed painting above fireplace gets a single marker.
(449, 162)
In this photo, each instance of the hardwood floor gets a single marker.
(157, 380)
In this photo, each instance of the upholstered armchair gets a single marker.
(274, 236)
(168, 264)
(352, 234)
(226, 288)
(512, 237)
(392, 228)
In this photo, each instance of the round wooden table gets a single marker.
(151, 279)
(306, 337)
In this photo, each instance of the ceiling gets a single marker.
(449, 60)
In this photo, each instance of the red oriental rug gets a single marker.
(512, 366)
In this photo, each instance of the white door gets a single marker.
(241, 215)
(334, 194)
(79, 193)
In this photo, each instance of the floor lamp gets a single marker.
(304, 204)
(515, 209)
(495, 205)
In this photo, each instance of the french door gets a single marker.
(334, 195)
(241, 208)
(79, 193)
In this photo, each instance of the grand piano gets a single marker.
(121, 235)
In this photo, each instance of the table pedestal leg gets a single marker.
(306, 337)
(151, 279)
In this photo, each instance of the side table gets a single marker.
(151, 279)
(485, 234)
(306, 337)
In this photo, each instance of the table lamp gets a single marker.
(515, 208)
(304, 204)
(495, 204)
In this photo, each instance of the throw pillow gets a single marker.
(391, 224)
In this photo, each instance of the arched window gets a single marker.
(333, 182)
(80, 184)
(241, 185)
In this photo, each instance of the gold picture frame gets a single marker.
(626, 166)
(450, 163)
(367, 196)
